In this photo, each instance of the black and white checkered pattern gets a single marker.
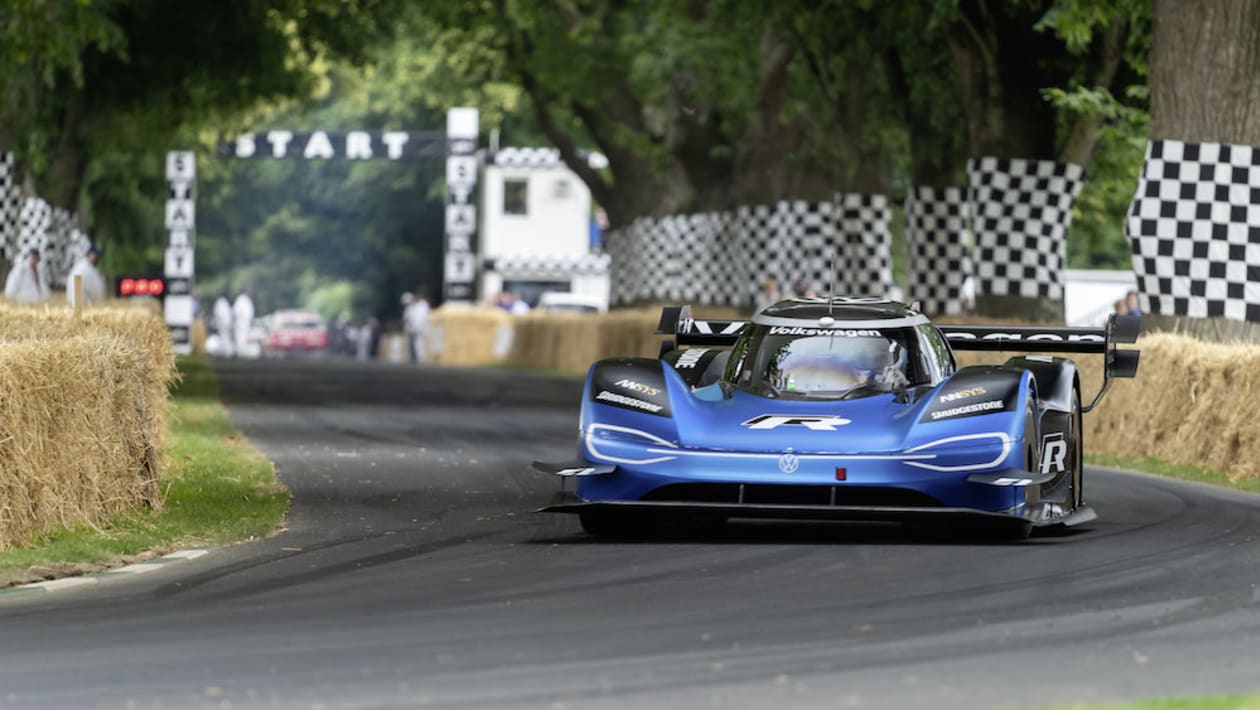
(728, 265)
(656, 270)
(864, 258)
(10, 206)
(34, 221)
(540, 158)
(65, 244)
(806, 241)
(1194, 226)
(757, 239)
(1021, 210)
(940, 257)
(543, 266)
(722, 258)
(527, 157)
(621, 245)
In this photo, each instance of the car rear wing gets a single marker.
(677, 321)
(1037, 339)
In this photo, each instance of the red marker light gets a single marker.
(841, 474)
(156, 287)
(127, 287)
(142, 287)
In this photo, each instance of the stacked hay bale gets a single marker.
(1192, 403)
(83, 415)
(571, 342)
(465, 336)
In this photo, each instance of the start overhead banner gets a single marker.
(327, 145)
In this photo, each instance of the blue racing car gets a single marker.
(837, 409)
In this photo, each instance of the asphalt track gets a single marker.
(413, 574)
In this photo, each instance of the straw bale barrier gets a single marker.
(1192, 402)
(83, 415)
(465, 336)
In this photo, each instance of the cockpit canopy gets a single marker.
(812, 361)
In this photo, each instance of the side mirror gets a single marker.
(1123, 363)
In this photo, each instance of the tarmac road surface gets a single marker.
(414, 574)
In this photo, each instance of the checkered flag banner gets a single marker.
(1194, 227)
(622, 248)
(34, 221)
(655, 254)
(756, 242)
(724, 257)
(10, 206)
(60, 252)
(729, 263)
(1020, 211)
(693, 242)
(864, 257)
(940, 258)
(806, 240)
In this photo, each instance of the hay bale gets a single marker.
(1191, 403)
(137, 334)
(74, 433)
(468, 335)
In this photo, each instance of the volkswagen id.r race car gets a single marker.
(838, 409)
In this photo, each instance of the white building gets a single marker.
(536, 227)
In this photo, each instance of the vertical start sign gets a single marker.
(459, 274)
(181, 222)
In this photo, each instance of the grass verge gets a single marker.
(1187, 472)
(218, 490)
(1207, 702)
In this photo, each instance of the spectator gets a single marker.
(416, 323)
(223, 324)
(28, 283)
(1122, 306)
(242, 322)
(1131, 300)
(769, 295)
(967, 294)
(800, 289)
(503, 301)
(93, 282)
(517, 305)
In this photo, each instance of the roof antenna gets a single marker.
(828, 320)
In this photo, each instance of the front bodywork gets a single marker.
(961, 448)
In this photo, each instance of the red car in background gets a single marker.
(295, 331)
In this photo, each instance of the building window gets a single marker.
(516, 197)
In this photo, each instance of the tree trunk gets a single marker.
(1205, 71)
(65, 175)
(1205, 89)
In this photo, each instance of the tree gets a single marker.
(96, 83)
(1205, 71)
(1204, 88)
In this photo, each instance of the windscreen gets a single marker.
(829, 363)
(298, 321)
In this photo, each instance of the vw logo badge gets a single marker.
(788, 463)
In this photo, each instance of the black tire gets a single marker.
(617, 523)
(1012, 530)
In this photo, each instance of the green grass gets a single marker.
(1186, 472)
(1207, 702)
(218, 490)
